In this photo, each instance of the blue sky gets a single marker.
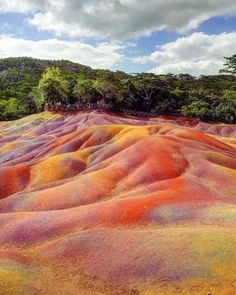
(154, 36)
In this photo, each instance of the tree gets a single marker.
(110, 91)
(3, 106)
(11, 109)
(22, 83)
(185, 77)
(53, 87)
(37, 97)
(145, 85)
(85, 91)
(230, 65)
(196, 109)
(142, 91)
(225, 110)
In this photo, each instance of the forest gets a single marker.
(27, 84)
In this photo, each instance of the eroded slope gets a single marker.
(105, 204)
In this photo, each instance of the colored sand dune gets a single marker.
(95, 203)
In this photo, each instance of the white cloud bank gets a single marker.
(103, 55)
(118, 19)
(195, 54)
(123, 19)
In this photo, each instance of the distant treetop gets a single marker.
(230, 65)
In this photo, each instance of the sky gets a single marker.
(171, 36)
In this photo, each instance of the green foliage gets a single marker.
(142, 91)
(230, 65)
(196, 109)
(11, 109)
(225, 111)
(19, 76)
(37, 97)
(229, 95)
(53, 87)
(110, 90)
(26, 84)
(85, 91)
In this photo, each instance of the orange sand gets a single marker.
(95, 203)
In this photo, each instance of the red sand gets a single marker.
(102, 204)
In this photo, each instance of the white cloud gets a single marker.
(102, 55)
(123, 19)
(195, 54)
(48, 22)
(203, 67)
(23, 6)
(118, 19)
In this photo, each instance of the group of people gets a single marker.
(49, 106)
(100, 105)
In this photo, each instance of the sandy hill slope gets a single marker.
(96, 203)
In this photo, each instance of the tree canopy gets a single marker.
(26, 84)
(230, 65)
(53, 87)
(85, 91)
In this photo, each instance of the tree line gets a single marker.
(209, 98)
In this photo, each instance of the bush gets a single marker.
(196, 109)
(11, 109)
